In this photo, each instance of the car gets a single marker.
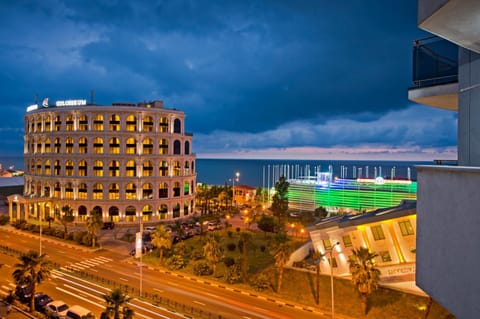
(41, 300)
(23, 292)
(56, 309)
(108, 225)
(78, 312)
(151, 228)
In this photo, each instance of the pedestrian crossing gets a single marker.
(86, 264)
(6, 289)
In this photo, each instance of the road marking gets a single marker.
(8, 266)
(104, 258)
(159, 290)
(79, 297)
(172, 283)
(199, 303)
(157, 307)
(123, 279)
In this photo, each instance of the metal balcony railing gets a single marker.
(435, 62)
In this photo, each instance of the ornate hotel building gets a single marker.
(127, 160)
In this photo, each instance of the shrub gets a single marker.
(4, 219)
(234, 274)
(202, 268)
(78, 236)
(231, 246)
(229, 261)
(263, 248)
(230, 234)
(261, 282)
(177, 262)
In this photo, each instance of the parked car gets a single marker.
(23, 292)
(41, 300)
(78, 312)
(56, 309)
(108, 225)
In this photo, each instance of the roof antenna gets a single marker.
(92, 94)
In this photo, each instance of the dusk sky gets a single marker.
(257, 79)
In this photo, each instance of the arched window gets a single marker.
(163, 190)
(48, 145)
(185, 209)
(177, 126)
(46, 189)
(187, 168)
(131, 122)
(163, 168)
(58, 123)
(147, 212)
(57, 168)
(69, 145)
(98, 168)
(147, 124)
(130, 191)
(114, 145)
(82, 168)
(57, 190)
(83, 123)
(39, 146)
(176, 168)
(187, 147)
(69, 168)
(82, 145)
(176, 189)
(176, 147)
(163, 147)
(113, 191)
(186, 188)
(98, 145)
(39, 124)
(39, 167)
(98, 122)
(69, 123)
(131, 169)
(147, 191)
(147, 168)
(48, 168)
(147, 146)
(114, 123)
(32, 166)
(163, 125)
(82, 191)
(176, 210)
(193, 167)
(68, 191)
(57, 146)
(163, 211)
(48, 124)
(131, 146)
(98, 191)
(114, 168)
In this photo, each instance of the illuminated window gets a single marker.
(98, 191)
(147, 146)
(98, 168)
(82, 191)
(114, 145)
(114, 123)
(69, 123)
(176, 168)
(147, 168)
(186, 187)
(163, 211)
(377, 232)
(114, 168)
(163, 190)
(176, 189)
(177, 126)
(98, 122)
(131, 169)
(39, 167)
(68, 191)
(131, 146)
(57, 146)
(347, 241)
(163, 125)
(147, 191)
(176, 147)
(48, 146)
(48, 124)
(39, 146)
(98, 145)
(57, 168)
(131, 123)
(385, 255)
(69, 145)
(406, 228)
(83, 123)
(58, 123)
(333, 261)
(326, 243)
(147, 124)
(187, 147)
(69, 168)
(57, 190)
(176, 210)
(82, 168)
(82, 145)
(39, 125)
(187, 168)
(113, 191)
(163, 147)
(163, 168)
(31, 125)
(130, 191)
(48, 169)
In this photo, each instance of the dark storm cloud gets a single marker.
(243, 68)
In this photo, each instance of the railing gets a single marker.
(435, 62)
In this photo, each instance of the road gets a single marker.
(83, 276)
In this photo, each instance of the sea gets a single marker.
(264, 173)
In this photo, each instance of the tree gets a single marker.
(281, 255)
(245, 240)
(33, 269)
(94, 224)
(162, 239)
(65, 218)
(117, 304)
(365, 276)
(317, 257)
(212, 251)
(280, 200)
(266, 223)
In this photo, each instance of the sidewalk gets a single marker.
(15, 313)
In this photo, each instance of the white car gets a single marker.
(56, 309)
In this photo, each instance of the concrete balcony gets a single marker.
(448, 237)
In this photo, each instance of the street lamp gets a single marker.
(140, 239)
(330, 251)
(235, 178)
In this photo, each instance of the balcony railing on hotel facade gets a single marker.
(435, 62)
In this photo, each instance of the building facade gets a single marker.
(127, 161)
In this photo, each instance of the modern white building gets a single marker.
(448, 222)
(126, 160)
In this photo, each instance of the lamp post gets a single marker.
(140, 244)
(235, 178)
(330, 251)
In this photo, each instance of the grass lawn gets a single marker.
(300, 286)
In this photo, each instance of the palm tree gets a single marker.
(33, 269)
(317, 257)
(212, 251)
(365, 276)
(245, 239)
(280, 200)
(162, 239)
(66, 218)
(117, 304)
(281, 256)
(94, 224)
